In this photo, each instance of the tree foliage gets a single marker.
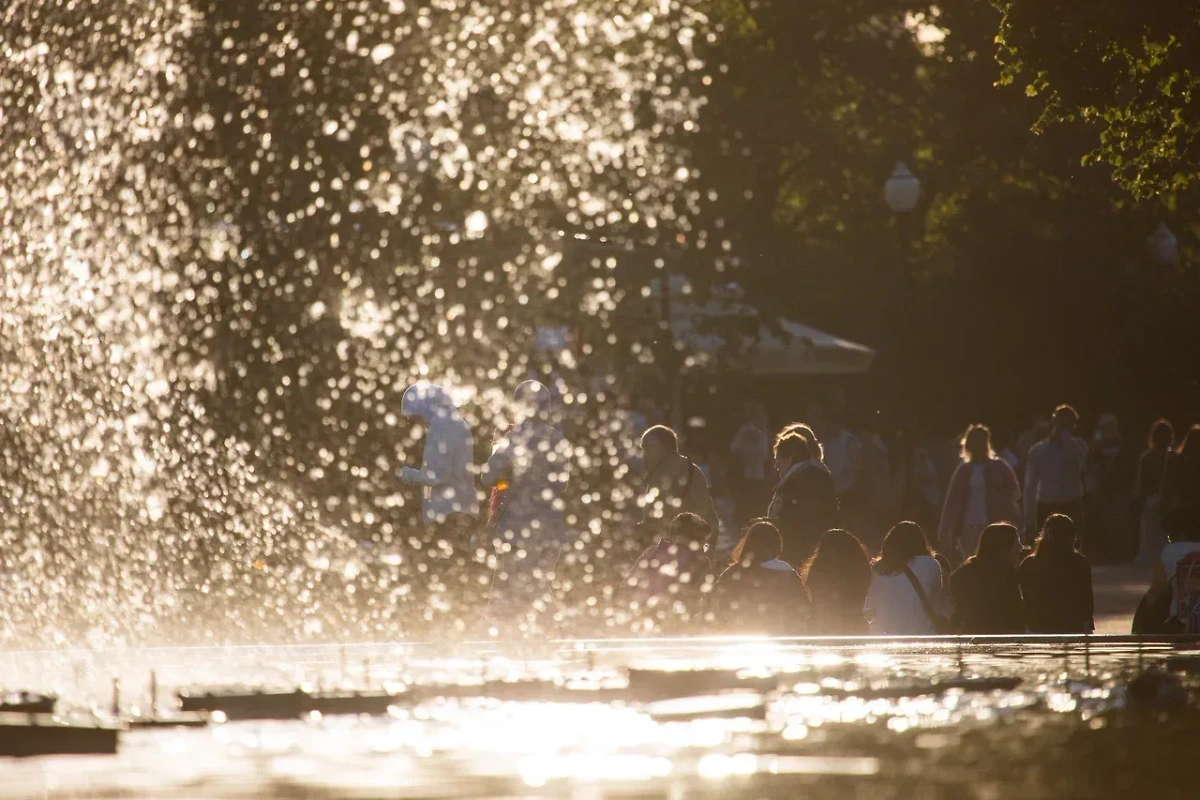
(1128, 71)
(1021, 255)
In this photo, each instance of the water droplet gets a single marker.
(476, 223)
(382, 52)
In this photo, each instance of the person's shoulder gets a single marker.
(727, 573)
(925, 565)
(999, 464)
(815, 475)
(966, 570)
(792, 481)
(1179, 549)
(878, 576)
(651, 552)
(792, 580)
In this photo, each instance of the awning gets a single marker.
(781, 347)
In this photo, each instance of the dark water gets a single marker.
(1072, 728)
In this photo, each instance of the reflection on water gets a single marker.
(837, 720)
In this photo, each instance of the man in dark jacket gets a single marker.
(803, 504)
(673, 485)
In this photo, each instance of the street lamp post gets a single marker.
(1164, 247)
(902, 191)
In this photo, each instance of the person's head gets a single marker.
(1191, 442)
(1108, 428)
(816, 453)
(658, 443)
(977, 444)
(999, 544)
(1162, 435)
(1066, 419)
(790, 450)
(532, 400)
(689, 531)
(904, 542)
(760, 543)
(425, 401)
(1057, 538)
(838, 565)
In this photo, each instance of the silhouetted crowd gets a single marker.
(796, 572)
(1004, 557)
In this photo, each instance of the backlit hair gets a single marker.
(1069, 410)
(664, 436)
(760, 540)
(979, 430)
(1162, 434)
(1057, 538)
(816, 451)
(904, 542)
(794, 446)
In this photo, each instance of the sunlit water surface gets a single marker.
(1071, 729)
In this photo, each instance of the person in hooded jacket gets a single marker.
(758, 592)
(449, 498)
(530, 463)
(803, 503)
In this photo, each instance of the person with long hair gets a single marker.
(1056, 581)
(838, 576)
(815, 449)
(987, 598)
(906, 585)
(758, 592)
(1181, 482)
(983, 490)
(803, 504)
(1148, 491)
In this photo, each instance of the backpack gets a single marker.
(1187, 587)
